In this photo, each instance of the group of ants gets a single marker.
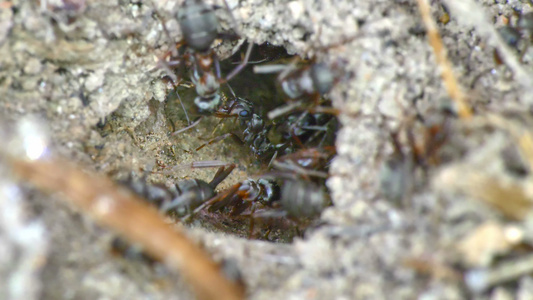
(292, 191)
(293, 188)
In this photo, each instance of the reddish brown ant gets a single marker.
(199, 26)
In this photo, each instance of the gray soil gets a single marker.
(389, 235)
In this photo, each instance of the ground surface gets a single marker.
(76, 65)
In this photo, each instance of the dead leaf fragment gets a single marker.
(490, 239)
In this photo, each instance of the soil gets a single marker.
(401, 226)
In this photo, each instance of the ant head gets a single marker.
(242, 108)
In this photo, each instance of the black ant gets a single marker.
(199, 26)
(310, 81)
(295, 132)
(303, 173)
(304, 129)
(255, 133)
(303, 198)
(181, 198)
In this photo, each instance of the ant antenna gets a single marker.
(243, 63)
(188, 127)
(184, 109)
(231, 90)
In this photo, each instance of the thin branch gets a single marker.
(450, 81)
(128, 215)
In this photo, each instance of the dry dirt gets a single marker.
(78, 63)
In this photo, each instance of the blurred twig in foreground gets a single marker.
(113, 207)
(450, 81)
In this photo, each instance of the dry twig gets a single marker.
(114, 207)
(450, 82)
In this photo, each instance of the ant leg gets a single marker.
(252, 62)
(183, 198)
(416, 152)
(161, 63)
(215, 128)
(284, 109)
(267, 69)
(184, 109)
(272, 160)
(216, 199)
(294, 168)
(291, 67)
(201, 164)
(292, 130)
(252, 222)
(241, 66)
(218, 73)
(267, 234)
(232, 92)
(221, 174)
(166, 66)
(232, 17)
(239, 207)
(187, 128)
(220, 138)
(324, 110)
(229, 198)
(398, 151)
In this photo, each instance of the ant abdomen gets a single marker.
(199, 24)
(302, 198)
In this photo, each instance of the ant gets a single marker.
(295, 131)
(288, 192)
(398, 171)
(304, 128)
(303, 173)
(181, 199)
(255, 133)
(310, 162)
(184, 196)
(271, 198)
(518, 37)
(199, 26)
(310, 81)
(303, 198)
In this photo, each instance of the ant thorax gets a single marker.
(206, 83)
